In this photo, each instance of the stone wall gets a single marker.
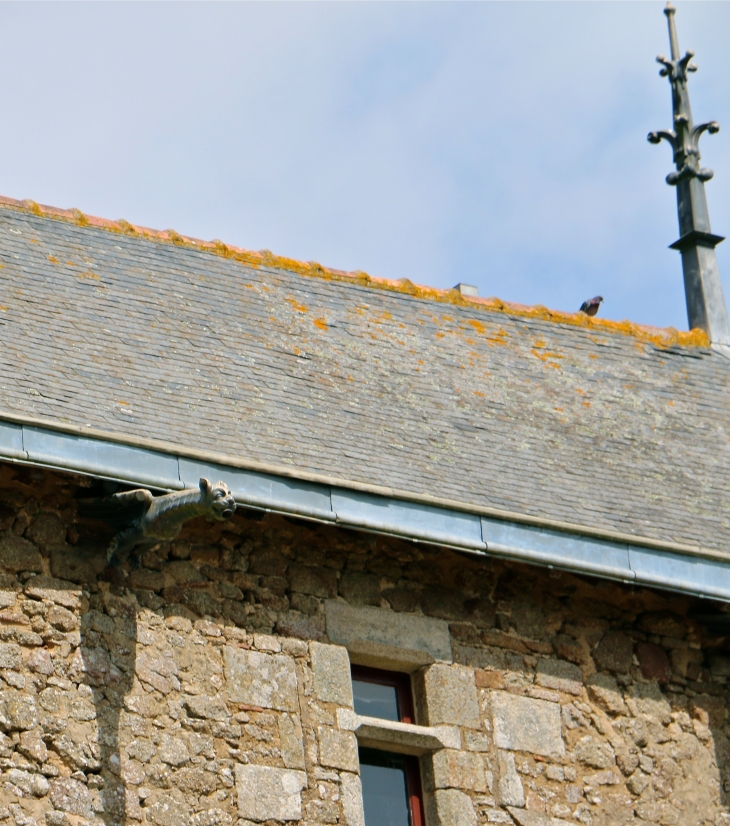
(211, 685)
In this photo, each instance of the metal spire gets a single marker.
(703, 289)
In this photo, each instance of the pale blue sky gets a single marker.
(501, 144)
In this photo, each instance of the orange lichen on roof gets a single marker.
(661, 337)
(297, 306)
(545, 354)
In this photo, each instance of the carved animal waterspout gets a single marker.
(143, 519)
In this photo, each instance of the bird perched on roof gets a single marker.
(591, 306)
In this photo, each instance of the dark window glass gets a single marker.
(390, 789)
(374, 700)
(383, 694)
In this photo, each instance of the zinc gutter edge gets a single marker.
(242, 463)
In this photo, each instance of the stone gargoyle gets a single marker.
(143, 519)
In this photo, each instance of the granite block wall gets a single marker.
(210, 686)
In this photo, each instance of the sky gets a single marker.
(501, 144)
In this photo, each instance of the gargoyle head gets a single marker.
(219, 499)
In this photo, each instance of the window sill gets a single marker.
(403, 738)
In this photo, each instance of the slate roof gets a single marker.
(552, 419)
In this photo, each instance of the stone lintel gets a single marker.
(387, 639)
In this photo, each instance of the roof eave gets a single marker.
(482, 531)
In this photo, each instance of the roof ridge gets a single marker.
(660, 336)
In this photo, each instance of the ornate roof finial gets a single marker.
(703, 289)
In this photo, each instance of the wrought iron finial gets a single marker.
(703, 289)
(670, 11)
(685, 137)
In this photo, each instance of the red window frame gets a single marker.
(415, 793)
(404, 697)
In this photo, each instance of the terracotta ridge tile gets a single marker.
(660, 336)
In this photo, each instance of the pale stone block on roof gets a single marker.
(524, 724)
(265, 680)
(267, 793)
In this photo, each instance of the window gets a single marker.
(391, 783)
(383, 694)
(391, 788)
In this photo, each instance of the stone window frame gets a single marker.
(420, 647)
(404, 739)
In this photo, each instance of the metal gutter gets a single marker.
(682, 569)
(287, 471)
